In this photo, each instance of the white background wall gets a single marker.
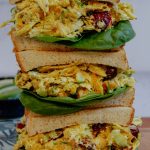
(138, 52)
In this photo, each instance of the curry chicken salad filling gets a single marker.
(81, 137)
(67, 18)
(74, 80)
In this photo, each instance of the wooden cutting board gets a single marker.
(145, 131)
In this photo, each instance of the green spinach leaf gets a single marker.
(112, 38)
(52, 39)
(109, 39)
(80, 101)
(62, 105)
(45, 108)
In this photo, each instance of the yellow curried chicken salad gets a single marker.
(67, 18)
(81, 137)
(74, 80)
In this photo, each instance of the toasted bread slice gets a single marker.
(40, 124)
(32, 59)
(124, 99)
(23, 43)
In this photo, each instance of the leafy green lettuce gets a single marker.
(62, 105)
(109, 39)
(52, 39)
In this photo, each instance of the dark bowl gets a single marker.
(12, 107)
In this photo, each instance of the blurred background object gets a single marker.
(10, 106)
(7, 89)
(137, 51)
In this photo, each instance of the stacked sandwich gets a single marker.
(76, 84)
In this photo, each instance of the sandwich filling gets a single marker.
(67, 18)
(74, 80)
(81, 137)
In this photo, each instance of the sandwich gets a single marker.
(76, 100)
(58, 83)
(77, 87)
(98, 129)
(70, 24)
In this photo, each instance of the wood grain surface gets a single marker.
(145, 131)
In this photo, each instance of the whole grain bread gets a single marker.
(124, 99)
(32, 59)
(40, 124)
(23, 43)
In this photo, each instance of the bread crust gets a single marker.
(36, 123)
(32, 59)
(20, 63)
(22, 44)
(124, 99)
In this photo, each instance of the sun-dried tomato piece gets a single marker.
(97, 128)
(111, 73)
(20, 125)
(134, 130)
(105, 87)
(103, 17)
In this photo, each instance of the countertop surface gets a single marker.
(145, 131)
